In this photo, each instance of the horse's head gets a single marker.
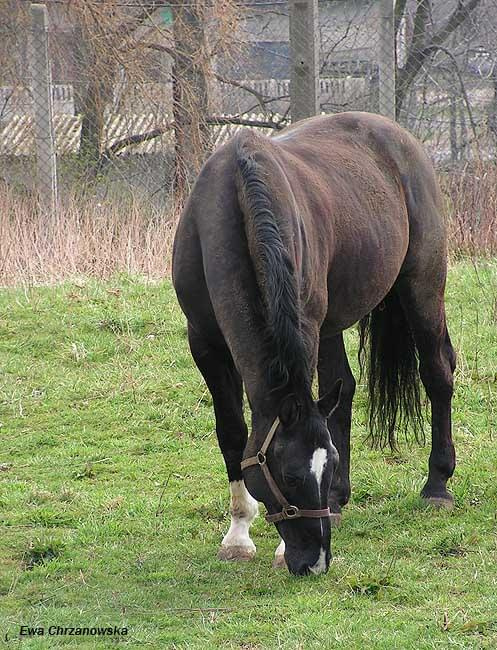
(292, 474)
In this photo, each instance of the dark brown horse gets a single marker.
(284, 243)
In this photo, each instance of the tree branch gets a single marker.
(419, 52)
(461, 82)
(215, 120)
(458, 16)
(421, 18)
(125, 29)
(138, 138)
(260, 98)
(265, 124)
(158, 47)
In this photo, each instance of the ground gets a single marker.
(113, 496)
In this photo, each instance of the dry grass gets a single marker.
(472, 208)
(92, 239)
(85, 238)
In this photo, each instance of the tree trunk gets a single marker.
(92, 127)
(421, 46)
(96, 72)
(190, 95)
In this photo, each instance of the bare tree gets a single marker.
(425, 38)
(103, 40)
(190, 92)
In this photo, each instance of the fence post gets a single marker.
(304, 57)
(41, 84)
(386, 59)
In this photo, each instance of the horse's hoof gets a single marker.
(335, 519)
(236, 553)
(440, 503)
(279, 562)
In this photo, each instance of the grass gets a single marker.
(113, 496)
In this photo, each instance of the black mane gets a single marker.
(287, 345)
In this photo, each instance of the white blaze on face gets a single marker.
(318, 463)
(320, 566)
(244, 509)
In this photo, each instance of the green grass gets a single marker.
(113, 495)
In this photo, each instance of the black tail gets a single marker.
(286, 342)
(391, 365)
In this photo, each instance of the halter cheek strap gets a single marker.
(287, 511)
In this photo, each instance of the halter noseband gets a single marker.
(287, 511)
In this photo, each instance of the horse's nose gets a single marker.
(301, 569)
(303, 564)
(305, 569)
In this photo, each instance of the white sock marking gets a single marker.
(318, 463)
(244, 509)
(280, 551)
(320, 566)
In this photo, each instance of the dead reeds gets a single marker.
(85, 238)
(94, 238)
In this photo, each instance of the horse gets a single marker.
(284, 243)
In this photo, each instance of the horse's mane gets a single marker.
(287, 344)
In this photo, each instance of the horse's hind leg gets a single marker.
(332, 365)
(225, 385)
(423, 301)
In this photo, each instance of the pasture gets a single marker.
(114, 499)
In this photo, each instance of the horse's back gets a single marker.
(371, 145)
(406, 159)
(379, 198)
(366, 196)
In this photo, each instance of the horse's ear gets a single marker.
(329, 402)
(289, 412)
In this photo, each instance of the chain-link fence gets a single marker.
(124, 98)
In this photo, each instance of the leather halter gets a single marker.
(287, 511)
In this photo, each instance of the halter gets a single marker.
(287, 511)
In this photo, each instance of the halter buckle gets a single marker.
(290, 512)
(261, 458)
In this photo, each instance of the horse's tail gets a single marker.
(388, 356)
(265, 229)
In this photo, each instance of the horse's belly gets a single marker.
(360, 279)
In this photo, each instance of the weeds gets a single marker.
(90, 238)
(471, 207)
(86, 238)
(42, 550)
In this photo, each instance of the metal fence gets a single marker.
(105, 98)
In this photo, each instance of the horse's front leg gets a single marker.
(236, 544)
(279, 561)
(225, 385)
(332, 365)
